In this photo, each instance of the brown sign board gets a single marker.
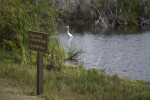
(38, 41)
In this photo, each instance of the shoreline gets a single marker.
(74, 82)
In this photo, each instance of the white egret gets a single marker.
(69, 34)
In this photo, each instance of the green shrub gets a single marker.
(17, 17)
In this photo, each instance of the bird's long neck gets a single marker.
(68, 30)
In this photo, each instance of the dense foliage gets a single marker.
(17, 17)
(111, 13)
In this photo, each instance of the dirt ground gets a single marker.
(12, 91)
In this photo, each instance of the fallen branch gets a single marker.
(99, 59)
(145, 22)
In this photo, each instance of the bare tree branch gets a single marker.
(110, 9)
(92, 6)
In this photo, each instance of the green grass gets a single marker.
(73, 53)
(17, 17)
(72, 83)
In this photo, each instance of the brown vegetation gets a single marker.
(105, 13)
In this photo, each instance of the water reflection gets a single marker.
(124, 54)
(69, 42)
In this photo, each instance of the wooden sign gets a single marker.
(38, 41)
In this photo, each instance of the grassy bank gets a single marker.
(73, 83)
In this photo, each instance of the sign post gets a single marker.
(38, 41)
(39, 73)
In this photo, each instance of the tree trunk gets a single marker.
(36, 2)
(144, 6)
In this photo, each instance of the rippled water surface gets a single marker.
(125, 53)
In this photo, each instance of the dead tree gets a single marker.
(144, 20)
(144, 6)
(100, 21)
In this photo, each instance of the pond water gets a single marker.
(125, 52)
